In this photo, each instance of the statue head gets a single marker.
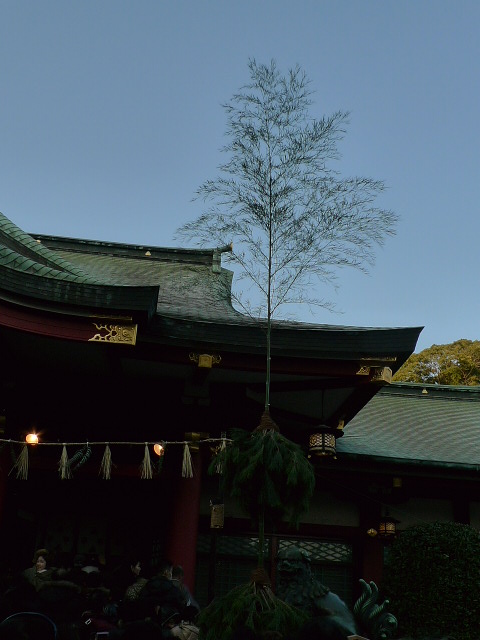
(293, 560)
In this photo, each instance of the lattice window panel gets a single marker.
(231, 545)
(338, 579)
(237, 556)
(232, 572)
(321, 551)
(236, 559)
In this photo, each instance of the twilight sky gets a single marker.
(110, 118)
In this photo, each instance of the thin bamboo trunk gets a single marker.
(261, 538)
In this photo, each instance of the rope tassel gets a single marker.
(187, 468)
(63, 465)
(21, 464)
(146, 466)
(106, 464)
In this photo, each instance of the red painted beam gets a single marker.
(49, 324)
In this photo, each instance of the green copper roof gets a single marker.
(191, 282)
(185, 292)
(34, 272)
(194, 303)
(422, 424)
(21, 252)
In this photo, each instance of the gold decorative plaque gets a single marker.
(382, 374)
(205, 360)
(115, 333)
(363, 371)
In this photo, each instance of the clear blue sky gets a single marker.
(110, 118)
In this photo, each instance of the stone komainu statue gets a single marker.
(298, 586)
(374, 617)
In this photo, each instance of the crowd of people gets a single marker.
(85, 598)
(85, 601)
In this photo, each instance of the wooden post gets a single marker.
(181, 544)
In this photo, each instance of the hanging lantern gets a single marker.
(217, 514)
(31, 438)
(322, 442)
(387, 527)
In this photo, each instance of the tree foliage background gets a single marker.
(457, 363)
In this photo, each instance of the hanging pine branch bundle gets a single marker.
(267, 473)
(80, 457)
(252, 605)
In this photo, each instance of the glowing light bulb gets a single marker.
(31, 438)
(159, 448)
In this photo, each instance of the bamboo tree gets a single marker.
(293, 222)
(292, 218)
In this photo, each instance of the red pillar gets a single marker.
(372, 565)
(4, 466)
(181, 547)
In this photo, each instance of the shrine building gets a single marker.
(111, 350)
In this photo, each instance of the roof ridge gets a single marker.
(452, 393)
(131, 250)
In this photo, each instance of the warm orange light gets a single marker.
(31, 438)
(159, 448)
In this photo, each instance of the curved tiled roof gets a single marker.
(21, 252)
(194, 301)
(186, 288)
(425, 424)
(33, 271)
(185, 292)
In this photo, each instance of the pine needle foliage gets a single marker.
(267, 474)
(250, 605)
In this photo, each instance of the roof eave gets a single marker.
(62, 295)
(429, 465)
(387, 347)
